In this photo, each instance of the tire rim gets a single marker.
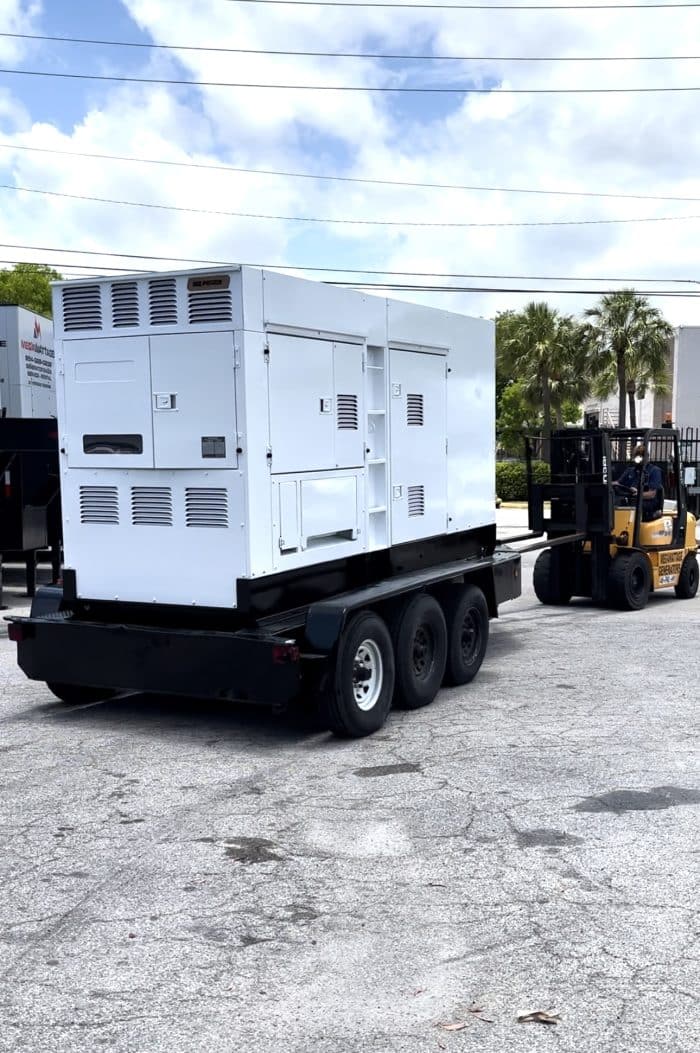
(367, 675)
(470, 637)
(637, 581)
(423, 652)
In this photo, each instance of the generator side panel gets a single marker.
(442, 403)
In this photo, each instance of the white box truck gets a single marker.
(270, 487)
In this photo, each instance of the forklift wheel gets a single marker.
(554, 594)
(78, 695)
(688, 579)
(629, 581)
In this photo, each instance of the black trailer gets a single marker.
(30, 505)
(357, 635)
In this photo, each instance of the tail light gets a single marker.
(285, 653)
(19, 631)
(7, 485)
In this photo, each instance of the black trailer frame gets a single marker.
(198, 653)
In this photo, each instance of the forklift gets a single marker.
(606, 540)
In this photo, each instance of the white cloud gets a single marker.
(616, 143)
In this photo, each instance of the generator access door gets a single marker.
(193, 396)
(316, 404)
(107, 385)
(418, 407)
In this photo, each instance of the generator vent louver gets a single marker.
(151, 506)
(99, 504)
(416, 501)
(162, 301)
(347, 415)
(82, 308)
(209, 306)
(414, 410)
(206, 506)
(125, 304)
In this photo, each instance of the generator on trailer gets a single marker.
(270, 487)
(618, 526)
(30, 518)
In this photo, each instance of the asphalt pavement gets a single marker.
(187, 877)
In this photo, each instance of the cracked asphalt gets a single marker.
(189, 877)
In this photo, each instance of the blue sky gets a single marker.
(617, 144)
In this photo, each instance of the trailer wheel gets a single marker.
(78, 695)
(547, 591)
(358, 699)
(629, 581)
(467, 617)
(420, 647)
(688, 579)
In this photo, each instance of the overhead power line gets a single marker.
(344, 179)
(390, 89)
(328, 220)
(350, 54)
(329, 270)
(470, 7)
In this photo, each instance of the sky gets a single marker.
(588, 144)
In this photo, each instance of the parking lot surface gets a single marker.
(189, 877)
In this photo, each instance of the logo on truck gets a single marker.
(37, 329)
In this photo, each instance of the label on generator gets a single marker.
(213, 446)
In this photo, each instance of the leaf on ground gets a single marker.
(539, 1017)
(477, 1010)
(456, 1025)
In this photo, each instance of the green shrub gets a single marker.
(511, 478)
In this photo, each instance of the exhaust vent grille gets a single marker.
(125, 304)
(206, 506)
(82, 308)
(348, 419)
(151, 506)
(416, 501)
(414, 410)
(99, 504)
(210, 306)
(162, 301)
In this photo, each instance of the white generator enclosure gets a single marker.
(27, 387)
(234, 424)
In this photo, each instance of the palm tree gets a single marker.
(630, 341)
(547, 353)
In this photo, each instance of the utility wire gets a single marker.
(330, 270)
(348, 222)
(353, 54)
(391, 287)
(471, 7)
(343, 179)
(349, 87)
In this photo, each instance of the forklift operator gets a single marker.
(652, 482)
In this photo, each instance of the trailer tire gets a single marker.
(543, 584)
(353, 705)
(629, 581)
(78, 695)
(420, 649)
(688, 578)
(467, 616)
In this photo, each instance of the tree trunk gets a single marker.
(547, 411)
(558, 415)
(633, 410)
(622, 385)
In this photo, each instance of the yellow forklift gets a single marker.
(618, 526)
